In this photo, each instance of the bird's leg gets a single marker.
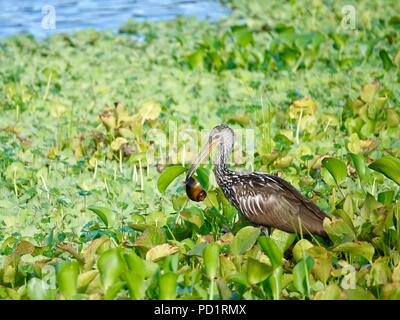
(265, 230)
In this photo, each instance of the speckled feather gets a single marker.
(267, 200)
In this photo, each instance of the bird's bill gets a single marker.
(200, 158)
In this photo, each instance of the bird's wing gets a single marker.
(272, 201)
(316, 211)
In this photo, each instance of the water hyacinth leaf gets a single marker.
(168, 175)
(389, 166)
(144, 268)
(336, 168)
(283, 239)
(193, 215)
(113, 291)
(358, 294)
(111, 266)
(158, 252)
(211, 260)
(196, 58)
(38, 289)
(150, 237)
(105, 214)
(322, 263)
(242, 35)
(358, 164)
(300, 249)
(338, 230)
(67, 279)
(386, 60)
(275, 282)
(117, 143)
(150, 110)
(272, 250)
(301, 272)
(368, 91)
(360, 248)
(89, 253)
(240, 278)
(156, 218)
(331, 292)
(168, 286)
(227, 267)
(203, 175)
(136, 284)
(197, 250)
(24, 247)
(84, 279)
(244, 240)
(386, 197)
(257, 271)
(380, 272)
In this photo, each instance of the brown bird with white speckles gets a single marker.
(264, 199)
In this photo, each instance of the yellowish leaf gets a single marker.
(158, 252)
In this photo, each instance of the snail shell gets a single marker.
(194, 190)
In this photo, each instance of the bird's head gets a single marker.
(220, 135)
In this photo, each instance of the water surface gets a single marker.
(34, 16)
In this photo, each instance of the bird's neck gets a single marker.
(221, 168)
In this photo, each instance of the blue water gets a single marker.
(36, 17)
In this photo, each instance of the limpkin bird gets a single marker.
(264, 199)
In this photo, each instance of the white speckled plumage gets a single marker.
(263, 198)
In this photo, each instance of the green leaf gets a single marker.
(244, 240)
(111, 266)
(380, 272)
(136, 284)
(283, 239)
(150, 110)
(358, 164)
(386, 197)
(257, 271)
(338, 230)
(242, 35)
(368, 91)
(38, 289)
(144, 268)
(336, 168)
(162, 250)
(105, 214)
(211, 259)
(193, 215)
(228, 267)
(299, 250)
(67, 278)
(386, 60)
(113, 291)
(169, 175)
(203, 176)
(331, 292)
(301, 275)
(275, 282)
(360, 248)
(195, 59)
(272, 250)
(168, 286)
(322, 263)
(151, 237)
(198, 249)
(84, 279)
(389, 166)
(240, 278)
(358, 294)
